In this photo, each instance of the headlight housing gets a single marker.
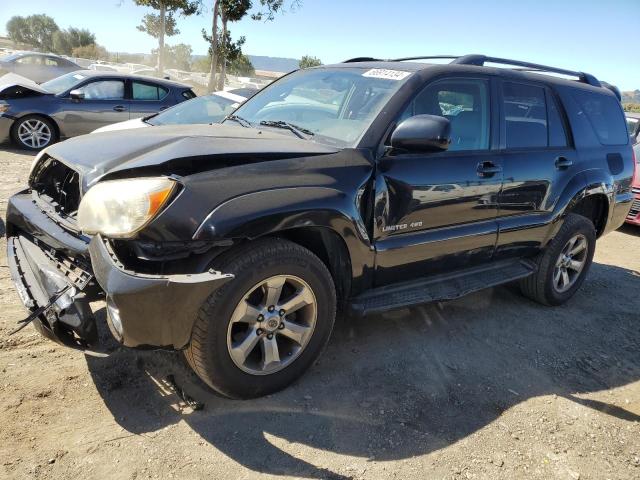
(120, 208)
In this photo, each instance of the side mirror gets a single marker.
(422, 133)
(76, 94)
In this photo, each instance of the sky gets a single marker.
(596, 36)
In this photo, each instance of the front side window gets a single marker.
(337, 105)
(104, 90)
(465, 103)
(148, 91)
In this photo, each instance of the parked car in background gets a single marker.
(238, 242)
(101, 67)
(633, 123)
(206, 109)
(35, 66)
(634, 213)
(34, 116)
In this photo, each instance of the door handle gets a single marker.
(488, 169)
(119, 108)
(563, 162)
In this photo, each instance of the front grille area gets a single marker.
(635, 209)
(58, 187)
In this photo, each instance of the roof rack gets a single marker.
(362, 59)
(479, 60)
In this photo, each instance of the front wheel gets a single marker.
(262, 330)
(563, 266)
(33, 132)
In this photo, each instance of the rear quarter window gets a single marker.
(605, 116)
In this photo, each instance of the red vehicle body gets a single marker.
(634, 213)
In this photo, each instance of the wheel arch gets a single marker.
(321, 219)
(56, 127)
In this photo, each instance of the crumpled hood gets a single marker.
(98, 154)
(10, 81)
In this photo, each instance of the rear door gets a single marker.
(104, 103)
(437, 212)
(538, 160)
(147, 98)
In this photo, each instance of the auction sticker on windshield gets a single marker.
(386, 74)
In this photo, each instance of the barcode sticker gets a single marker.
(386, 74)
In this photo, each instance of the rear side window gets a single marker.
(532, 117)
(148, 91)
(525, 112)
(605, 115)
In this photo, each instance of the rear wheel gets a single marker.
(266, 327)
(563, 266)
(33, 132)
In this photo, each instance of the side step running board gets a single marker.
(440, 287)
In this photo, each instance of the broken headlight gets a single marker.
(120, 208)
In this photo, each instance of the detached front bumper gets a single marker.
(142, 310)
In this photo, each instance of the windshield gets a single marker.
(336, 105)
(63, 83)
(209, 109)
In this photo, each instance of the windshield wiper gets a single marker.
(240, 120)
(299, 131)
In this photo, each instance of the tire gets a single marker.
(543, 286)
(43, 129)
(215, 334)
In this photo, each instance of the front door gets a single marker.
(437, 212)
(104, 103)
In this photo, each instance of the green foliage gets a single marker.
(308, 61)
(64, 41)
(177, 56)
(92, 52)
(202, 64)
(241, 67)
(632, 107)
(34, 30)
(152, 25)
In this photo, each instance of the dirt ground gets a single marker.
(490, 386)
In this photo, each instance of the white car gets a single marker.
(206, 109)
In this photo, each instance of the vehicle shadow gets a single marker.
(402, 384)
(630, 229)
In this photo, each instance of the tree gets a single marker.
(233, 11)
(92, 52)
(241, 67)
(34, 30)
(64, 41)
(308, 61)
(164, 23)
(177, 56)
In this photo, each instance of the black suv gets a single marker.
(359, 187)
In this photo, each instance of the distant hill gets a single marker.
(632, 96)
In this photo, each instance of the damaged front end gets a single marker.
(58, 271)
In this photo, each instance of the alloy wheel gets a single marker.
(272, 325)
(34, 133)
(570, 263)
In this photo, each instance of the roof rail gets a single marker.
(362, 59)
(480, 60)
(431, 57)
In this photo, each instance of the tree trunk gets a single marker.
(223, 60)
(214, 47)
(163, 22)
